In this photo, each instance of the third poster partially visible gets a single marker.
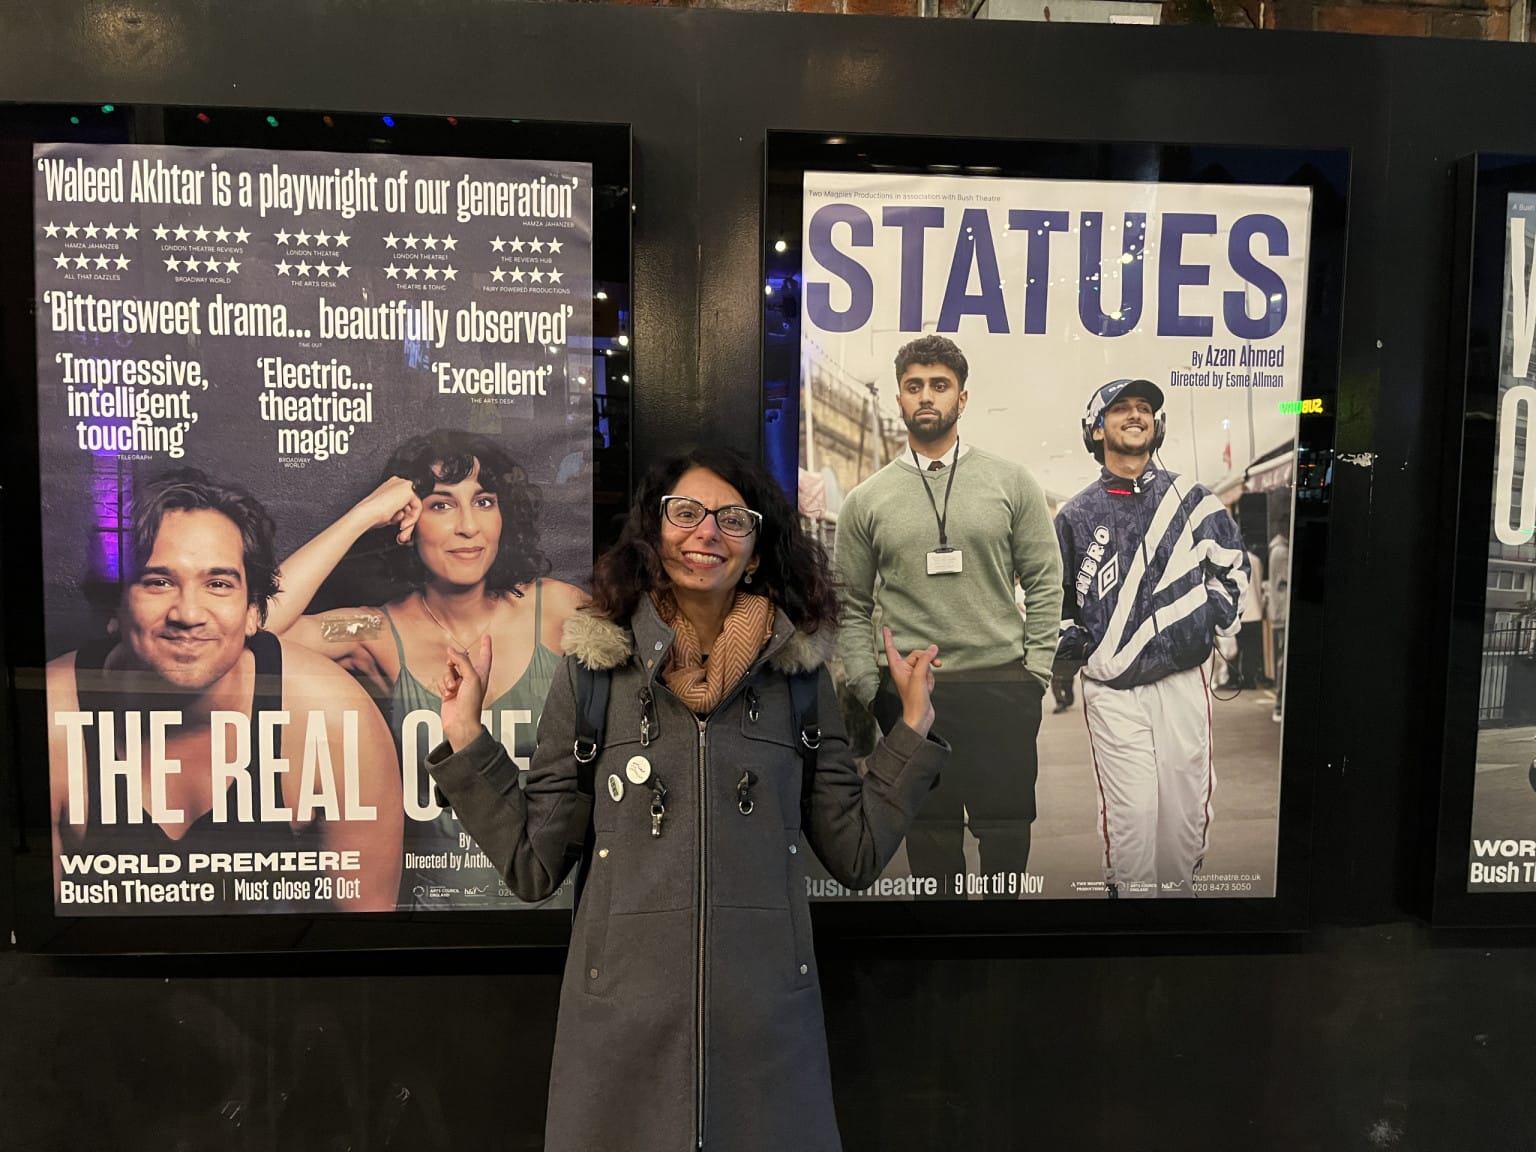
(1050, 426)
(1503, 848)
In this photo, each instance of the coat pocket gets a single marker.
(591, 929)
(803, 954)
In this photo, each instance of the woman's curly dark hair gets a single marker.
(448, 456)
(792, 567)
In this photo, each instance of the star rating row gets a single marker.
(303, 268)
(200, 234)
(428, 272)
(428, 241)
(63, 261)
(90, 231)
(174, 265)
(320, 239)
(517, 244)
(516, 275)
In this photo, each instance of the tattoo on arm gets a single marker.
(350, 627)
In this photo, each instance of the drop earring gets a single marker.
(747, 579)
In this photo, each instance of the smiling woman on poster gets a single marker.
(465, 544)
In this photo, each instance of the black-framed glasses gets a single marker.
(733, 519)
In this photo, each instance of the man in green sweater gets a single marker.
(932, 546)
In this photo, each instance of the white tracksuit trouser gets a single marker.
(1153, 763)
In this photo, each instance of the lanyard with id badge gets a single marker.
(943, 559)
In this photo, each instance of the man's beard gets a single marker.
(928, 433)
(1122, 447)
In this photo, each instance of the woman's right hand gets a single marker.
(392, 502)
(913, 677)
(462, 689)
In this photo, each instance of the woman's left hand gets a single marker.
(913, 678)
(462, 689)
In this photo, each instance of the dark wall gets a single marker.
(1368, 1032)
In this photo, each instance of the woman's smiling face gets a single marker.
(459, 532)
(703, 559)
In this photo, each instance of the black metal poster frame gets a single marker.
(1483, 184)
(26, 861)
(789, 155)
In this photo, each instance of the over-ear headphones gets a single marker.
(1105, 396)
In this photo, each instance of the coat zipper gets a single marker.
(703, 914)
(699, 1093)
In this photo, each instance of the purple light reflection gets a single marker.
(111, 496)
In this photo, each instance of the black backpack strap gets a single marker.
(592, 689)
(804, 691)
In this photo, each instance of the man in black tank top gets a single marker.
(197, 764)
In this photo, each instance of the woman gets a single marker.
(463, 554)
(690, 1015)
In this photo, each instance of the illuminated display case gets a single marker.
(295, 303)
(1482, 819)
(1055, 268)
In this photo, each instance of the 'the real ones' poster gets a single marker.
(1113, 625)
(1502, 857)
(367, 372)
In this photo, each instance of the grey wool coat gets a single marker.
(690, 1013)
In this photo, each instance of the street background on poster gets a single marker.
(1052, 289)
(284, 322)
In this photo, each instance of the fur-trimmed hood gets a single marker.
(603, 645)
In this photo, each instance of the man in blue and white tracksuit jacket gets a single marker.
(1154, 569)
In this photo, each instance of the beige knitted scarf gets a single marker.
(702, 684)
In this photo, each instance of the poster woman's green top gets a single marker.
(460, 886)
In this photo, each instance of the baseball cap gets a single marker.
(1115, 389)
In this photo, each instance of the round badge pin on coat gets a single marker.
(638, 770)
(615, 788)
